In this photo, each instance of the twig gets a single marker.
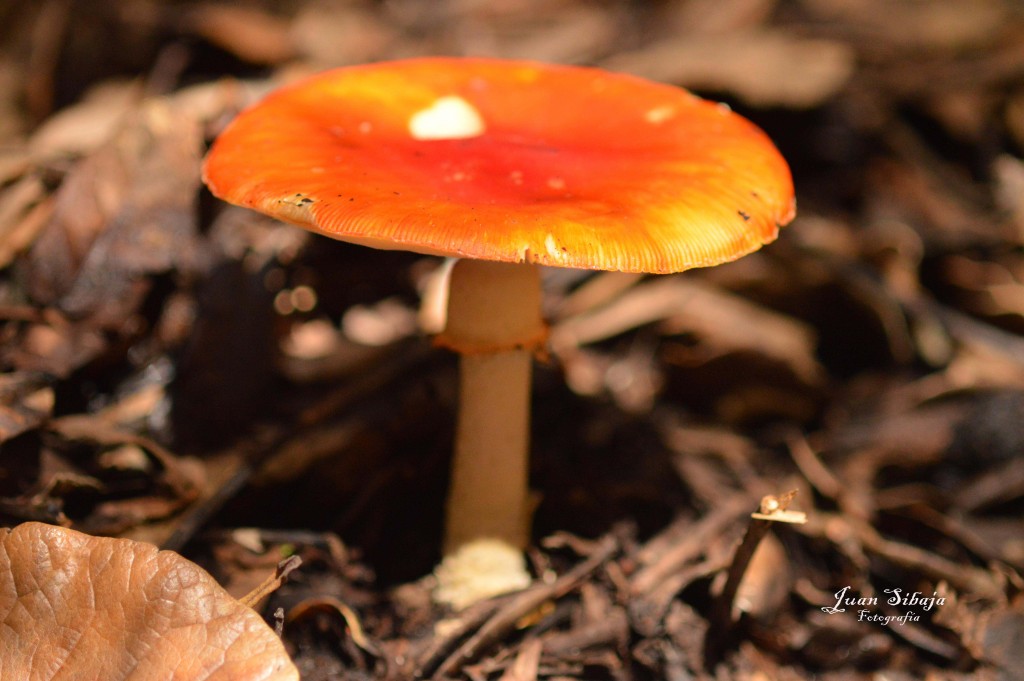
(687, 549)
(525, 666)
(772, 509)
(816, 473)
(271, 583)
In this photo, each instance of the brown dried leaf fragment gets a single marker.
(124, 212)
(52, 344)
(26, 400)
(727, 322)
(762, 67)
(75, 606)
(24, 210)
(247, 32)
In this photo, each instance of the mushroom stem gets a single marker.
(494, 322)
(489, 478)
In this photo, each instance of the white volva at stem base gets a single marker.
(494, 322)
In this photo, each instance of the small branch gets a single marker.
(773, 509)
(272, 583)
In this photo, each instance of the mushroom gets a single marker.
(506, 165)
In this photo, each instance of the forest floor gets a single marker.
(192, 374)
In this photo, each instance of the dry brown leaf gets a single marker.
(178, 480)
(339, 32)
(84, 127)
(247, 32)
(767, 582)
(713, 16)
(919, 25)
(54, 346)
(81, 607)
(23, 212)
(26, 400)
(1009, 175)
(572, 33)
(684, 305)
(125, 211)
(764, 68)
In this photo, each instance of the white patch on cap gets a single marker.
(660, 114)
(449, 118)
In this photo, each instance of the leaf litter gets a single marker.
(165, 379)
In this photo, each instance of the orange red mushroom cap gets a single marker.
(508, 161)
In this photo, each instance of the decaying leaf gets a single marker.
(23, 212)
(248, 32)
(83, 128)
(764, 68)
(685, 305)
(917, 25)
(80, 607)
(123, 212)
(25, 402)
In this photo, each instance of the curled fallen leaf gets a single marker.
(26, 400)
(762, 67)
(75, 607)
